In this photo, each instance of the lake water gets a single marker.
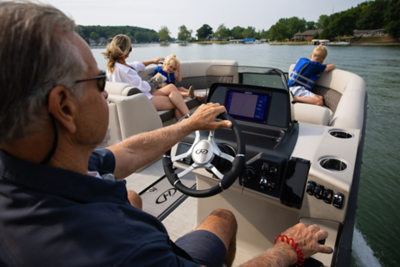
(378, 214)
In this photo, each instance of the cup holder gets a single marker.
(341, 134)
(333, 164)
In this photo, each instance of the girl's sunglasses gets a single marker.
(101, 80)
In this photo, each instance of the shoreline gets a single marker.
(351, 44)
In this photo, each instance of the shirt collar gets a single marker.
(62, 182)
(123, 67)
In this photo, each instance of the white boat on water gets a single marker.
(300, 163)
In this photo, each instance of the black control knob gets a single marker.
(318, 191)
(338, 200)
(273, 170)
(263, 182)
(249, 174)
(265, 168)
(311, 187)
(327, 196)
(270, 185)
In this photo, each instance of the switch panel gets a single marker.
(338, 200)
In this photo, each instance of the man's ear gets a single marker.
(63, 107)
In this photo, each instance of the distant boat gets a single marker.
(338, 43)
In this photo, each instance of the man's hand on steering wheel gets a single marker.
(203, 150)
(204, 118)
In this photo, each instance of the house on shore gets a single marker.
(307, 35)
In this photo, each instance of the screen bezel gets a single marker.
(263, 120)
(217, 94)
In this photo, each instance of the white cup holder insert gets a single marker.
(333, 164)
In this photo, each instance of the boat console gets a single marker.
(293, 171)
(282, 163)
(263, 115)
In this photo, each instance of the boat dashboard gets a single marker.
(270, 135)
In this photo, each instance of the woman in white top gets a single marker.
(118, 70)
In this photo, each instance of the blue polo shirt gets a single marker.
(56, 217)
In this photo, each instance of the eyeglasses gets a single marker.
(101, 80)
(130, 49)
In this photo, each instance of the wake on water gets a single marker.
(362, 253)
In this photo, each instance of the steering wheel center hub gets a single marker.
(202, 152)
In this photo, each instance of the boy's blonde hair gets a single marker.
(171, 60)
(320, 52)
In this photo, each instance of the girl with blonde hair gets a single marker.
(171, 69)
(118, 70)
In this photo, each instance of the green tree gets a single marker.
(110, 31)
(237, 32)
(94, 36)
(372, 15)
(204, 31)
(322, 22)
(140, 37)
(310, 25)
(249, 32)
(164, 34)
(184, 34)
(222, 32)
(391, 18)
(293, 26)
(264, 34)
(278, 31)
(316, 35)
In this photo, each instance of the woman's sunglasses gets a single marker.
(101, 80)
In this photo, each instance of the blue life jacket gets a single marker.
(170, 77)
(305, 73)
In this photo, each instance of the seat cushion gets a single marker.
(313, 114)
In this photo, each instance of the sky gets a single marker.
(153, 14)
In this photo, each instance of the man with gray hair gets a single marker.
(55, 208)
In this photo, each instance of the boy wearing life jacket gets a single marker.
(306, 73)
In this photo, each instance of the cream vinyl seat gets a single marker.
(342, 92)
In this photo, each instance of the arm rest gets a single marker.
(136, 114)
(124, 89)
(311, 114)
(350, 111)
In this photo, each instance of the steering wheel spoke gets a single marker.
(187, 170)
(215, 171)
(216, 149)
(226, 156)
(202, 152)
(190, 151)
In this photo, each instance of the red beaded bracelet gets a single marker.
(300, 256)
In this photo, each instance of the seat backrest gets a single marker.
(195, 72)
(114, 129)
(135, 114)
(349, 109)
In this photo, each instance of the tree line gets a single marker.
(368, 15)
(141, 35)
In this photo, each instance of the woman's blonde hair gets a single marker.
(171, 60)
(119, 46)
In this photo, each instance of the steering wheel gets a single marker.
(203, 152)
